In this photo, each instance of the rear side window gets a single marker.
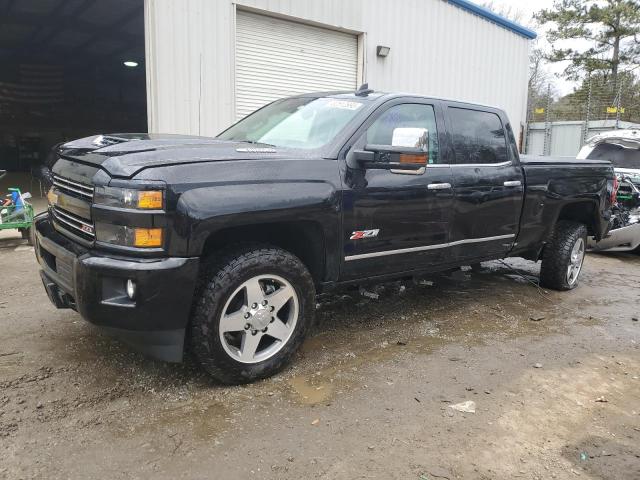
(478, 137)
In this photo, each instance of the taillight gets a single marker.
(614, 192)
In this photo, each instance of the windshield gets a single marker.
(619, 156)
(306, 123)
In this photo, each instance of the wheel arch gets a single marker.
(303, 238)
(584, 211)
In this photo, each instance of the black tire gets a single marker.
(219, 280)
(556, 256)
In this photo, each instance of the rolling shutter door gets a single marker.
(276, 58)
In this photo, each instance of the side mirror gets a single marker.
(411, 137)
(408, 154)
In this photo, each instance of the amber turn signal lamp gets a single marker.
(150, 199)
(147, 237)
(420, 159)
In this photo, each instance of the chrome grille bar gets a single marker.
(66, 185)
(73, 221)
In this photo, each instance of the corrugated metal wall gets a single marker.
(436, 49)
(189, 53)
(566, 138)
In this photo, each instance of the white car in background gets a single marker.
(622, 148)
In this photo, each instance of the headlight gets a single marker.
(129, 198)
(129, 236)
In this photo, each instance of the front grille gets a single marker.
(77, 225)
(73, 188)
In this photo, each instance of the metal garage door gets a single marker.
(276, 58)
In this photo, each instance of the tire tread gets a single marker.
(557, 252)
(218, 274)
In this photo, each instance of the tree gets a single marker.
(538, 76)
(540, 91)
(506, 11)
(603, 98)
(612, 28)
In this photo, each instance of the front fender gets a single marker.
(201, 212)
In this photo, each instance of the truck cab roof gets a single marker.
(381, 97)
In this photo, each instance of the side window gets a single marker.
(407, 115)
(478, 137)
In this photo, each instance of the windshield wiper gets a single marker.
(253, 142)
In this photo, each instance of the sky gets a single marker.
(528, 8)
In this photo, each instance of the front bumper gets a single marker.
(154, 321)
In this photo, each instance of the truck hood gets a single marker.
(124, 155)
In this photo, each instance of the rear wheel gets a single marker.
(255, 308)
(563, 256)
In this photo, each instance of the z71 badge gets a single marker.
(359, 234)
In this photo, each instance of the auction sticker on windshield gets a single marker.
(344, 104)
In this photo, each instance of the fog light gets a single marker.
(131, 289)
(147, 237)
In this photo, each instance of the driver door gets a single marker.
(395, 220)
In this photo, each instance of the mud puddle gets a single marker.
(368, 396)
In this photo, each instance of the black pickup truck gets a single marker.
(223, 243)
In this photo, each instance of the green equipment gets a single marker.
(16, 212)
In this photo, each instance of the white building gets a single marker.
(211, 62)
(75, 68)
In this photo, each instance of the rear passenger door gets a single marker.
(488, 182)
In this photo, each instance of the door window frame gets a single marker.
(381, 109)
(449, 125)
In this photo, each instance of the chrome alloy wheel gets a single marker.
(259, 318)
(575, 261)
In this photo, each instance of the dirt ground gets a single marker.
(554, 378)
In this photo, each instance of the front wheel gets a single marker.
(254, 310)
(563, 256)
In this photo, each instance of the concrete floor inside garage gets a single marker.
(63, 75)
(554, 377)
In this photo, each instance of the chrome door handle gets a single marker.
(439, 186)
(512, 183)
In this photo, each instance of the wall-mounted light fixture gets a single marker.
(382, 51)
(130, 64)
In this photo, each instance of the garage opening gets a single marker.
(276, 58)
(70, 68)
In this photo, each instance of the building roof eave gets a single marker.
(494, 17)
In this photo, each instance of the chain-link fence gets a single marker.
(561, 126)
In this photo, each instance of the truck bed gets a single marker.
(539, 160)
